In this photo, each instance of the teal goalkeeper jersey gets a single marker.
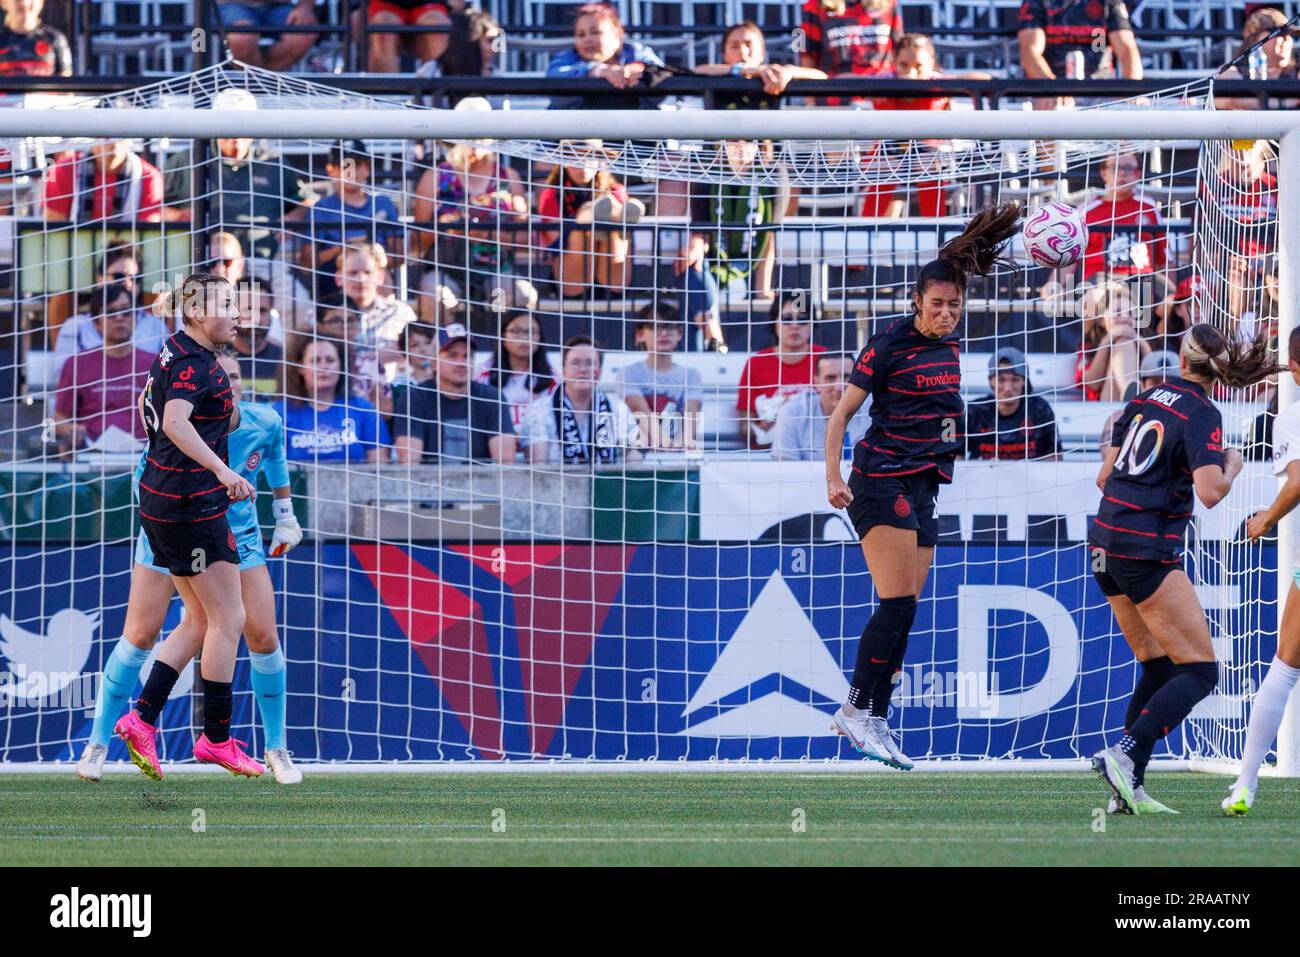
(258, 444)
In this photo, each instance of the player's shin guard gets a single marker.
(121, 672)
(1155, 672)
(157, 689)
(268, 689)
(884, 689)
(216, 711)
(881, 638)
(1265, 718)
(1168, 707)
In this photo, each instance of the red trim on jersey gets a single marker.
(1127, 531)
(1134, 558)
(1162, 405)
(928, 365)
(1120, 501)
(207, 490)
(894, 388)
(166, 468)
(903, 438)
(929, 465)
(154, 491)
(184, 521)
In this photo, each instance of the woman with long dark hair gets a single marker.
(1165, 446)
(912, 371)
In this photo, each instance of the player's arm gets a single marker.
(837, 492)
(1214, 482)
(176, 425)
(1261, 523)
(1108, 458)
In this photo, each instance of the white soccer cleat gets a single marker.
(886, 736)
(1116, 770)
(1146, 804)
(863, 735)
(281, 764)
(1238, 801)
(91, 765)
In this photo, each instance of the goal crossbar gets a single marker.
(186, 123)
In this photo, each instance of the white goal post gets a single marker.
(1128, 125)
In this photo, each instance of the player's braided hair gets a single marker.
(976, 251)
(1232, 361)
(194, 289)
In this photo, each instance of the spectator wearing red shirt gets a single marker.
(98, 387)
(850, 39)
(1119, 251)
(29, 47)
(109, 182)
(773, 374)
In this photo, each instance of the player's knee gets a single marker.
(261, 639)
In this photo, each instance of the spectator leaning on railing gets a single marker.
(453, 419)
(578, 424)
(1075, 39)
(664, 396)
(519, 369)
(774, 374)
(98, 387)
(323, 422)
(238, 16)
(744, 54)
(1012, 423)
(29, 47)
(1277, 54)
(600, 50)
(800, 432)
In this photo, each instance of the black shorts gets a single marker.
(1135, 578)
(905, 501)
(187, 548)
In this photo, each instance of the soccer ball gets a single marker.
(1054, 235)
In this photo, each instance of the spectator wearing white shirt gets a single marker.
(578, 424)
(664, 396)
(800, 431)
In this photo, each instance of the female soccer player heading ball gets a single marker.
(185, 490)
(1167, 444)
(912, 371)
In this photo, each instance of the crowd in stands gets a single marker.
(398, 319)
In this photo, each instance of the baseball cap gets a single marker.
(349, 149)
(451, 333)
(1012, 356)
(1161, 364)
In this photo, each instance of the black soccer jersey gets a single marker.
(1028, 433)
(173, 487)
(916, 404)
(1075, 25)
(1163, 436)
(43, 52)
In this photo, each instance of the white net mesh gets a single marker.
(646, 569)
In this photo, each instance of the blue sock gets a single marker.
(120, 676)
(268, 688)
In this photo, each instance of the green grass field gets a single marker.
(936, 819)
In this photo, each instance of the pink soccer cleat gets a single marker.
(229, 755)
(139, 737)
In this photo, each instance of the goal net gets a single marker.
(588, 534)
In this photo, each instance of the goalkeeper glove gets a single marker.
(288, 532)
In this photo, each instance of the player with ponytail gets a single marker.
(912, 371)
(1166, 445)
